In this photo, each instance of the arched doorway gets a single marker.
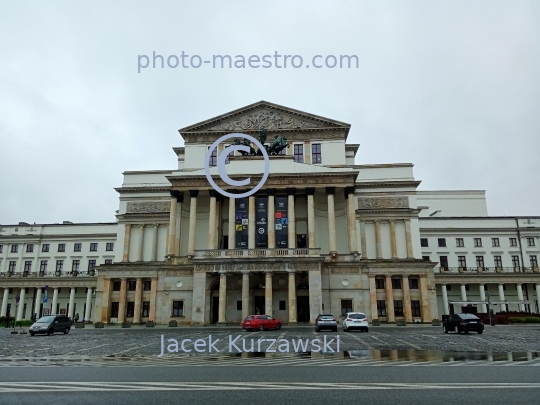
(302, 302)
(214, 302)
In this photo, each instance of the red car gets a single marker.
(261, 322)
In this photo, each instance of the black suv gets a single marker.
(51, 324)
(463, 323)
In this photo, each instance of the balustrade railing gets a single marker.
(236, 253)
(480, 270)
(91, 273)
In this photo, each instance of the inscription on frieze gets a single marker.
(383, 202)
(148, 206)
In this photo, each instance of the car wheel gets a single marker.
(278, 326)
(480, 332)
(445, 329)
(49, 332)
(32, 333)
(261, 328)
(458, 330)
(66, 331)
(316, 329)
(345, 330)
(466, 332)
(367, 330)
(334, 330)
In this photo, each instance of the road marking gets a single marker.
(410, 344)
(364, 342)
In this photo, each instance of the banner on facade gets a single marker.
(281, 222)
(241, 223)
(261, 222)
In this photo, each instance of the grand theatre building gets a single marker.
(322, 235)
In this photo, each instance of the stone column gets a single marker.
(71, 302)
(407, 300)
(38, 302)
(251, 222)
(378, 239)
(426, 312)
(105, 301)
(408, 239)
(315, 295)
(212, 220)
(373, 297)
(292, 218)
(445, 299)
(222, 313)
(5, 300)
(140, 252)
(21, 304)
(172, 222)
(292, 297)
(363, 243)
(155, 242)
(482, 297)
(463, 293)
(331, 219)
(122, 301)
(268, 294)
(88, 304)
(351, 219)
(138, 299)
(389, 299)
(520, 296)
(192, 220)
(503, 307)
(127, 235)
(271, 218)
(153, 295)
(537, 295)
(393, 239)
(199, 298)
(54, 301)
(245, 295)
(310, 192)
(232, 223)
(178, 225)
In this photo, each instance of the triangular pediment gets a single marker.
(264, 115)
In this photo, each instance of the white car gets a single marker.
(355, 320)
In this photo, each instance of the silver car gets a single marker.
(326, 322)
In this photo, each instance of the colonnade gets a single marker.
(122, 300)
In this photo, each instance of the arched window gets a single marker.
(303, 286)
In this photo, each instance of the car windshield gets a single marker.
(46, 319)
(468, 316)
(357, 316)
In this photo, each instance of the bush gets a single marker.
(526, 319)
(22, 323)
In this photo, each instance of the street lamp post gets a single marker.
(490, 310)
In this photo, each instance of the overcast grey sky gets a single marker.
(453, 87)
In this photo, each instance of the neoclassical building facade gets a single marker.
(323, 235)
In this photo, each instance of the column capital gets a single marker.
(193, 193)
(178, 195)
(349, 190)
(271, 191)
(291, 191)
(330, 190)
(310, 190)
(142, 225)
(213, 193)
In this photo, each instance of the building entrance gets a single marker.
(258, 305)
(302, 305)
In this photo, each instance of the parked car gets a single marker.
(261, 322)
(463, 323)
(326, 322)
(355, 320)
(51, 324)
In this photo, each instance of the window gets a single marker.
(467, 287)
(379, 283)
(14, 248)
(515, 261)
(145, 308)
(28, 265)
(480, 261)
(132, 285)
(91, 265)
(530, 241)
(109, 247)
(459, 242)
(495, 242)
(45, 247)
(77, 247)
(238, 305)
(61, 247)
(381, 307)
(398, 308)
(12, 266)
(426, 258)
(316, 153)
(282, 305)
(486, 287)
(415, 307)
(301, 241)
(299, 153)
(498, 261)
(534, 260)
(114, 309)
(75, 265)
(30, 248)
(346, 306)
(462, 262)
(178, 308)
(448, 287)
(147, 285)
(424, 242)
(413, 283)
(213, 158)
(1, 248)
(396, 283)
(513, 242)
(93, 247)
(116, 285)
(43, 266)
(477, 242)
(108, 261)
(443, 260)
(442, 242)
(130, 309)
(59, 265)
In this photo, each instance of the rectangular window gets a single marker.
(299, 153)
(178, 308)
(413, 283)
(498, 261)
(239, 305)
(59, 265)
(61, 247)
(130, 309)
(513, 242)
(114, 309)
(108, 261)
(442, 242)
(1, 248)
(515, 261)
(14, 248)
(28, 266)
(316, 156)
(301, 241)
(145, 308)
(396, 284)
(459, 242)
(93, 247)
(282, 305)
(109, 247)
(467, 287)
(30, 248)
(346, 307)
(147, 285)
(45, 247)
(75, 265)
(477, 242)
(480, 261)
(530, 242)
(132, 285)
(462, 262)
(12, 266)
(424, 242)
(116, 285)
(398, 308)
(495, 242)
(91, 265)
(426, 258)
(43, 266)
(379, 283)
(448, 287)
(77, 247)
(534, 260)
(415, 308)
(443, 260)
(213, 158)
(381, 307)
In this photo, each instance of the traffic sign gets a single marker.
(17, 298)
(46, 287)
(45, 299)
